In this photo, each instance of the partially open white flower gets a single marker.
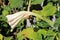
(13, 19)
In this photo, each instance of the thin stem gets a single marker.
(25, 39)
(29, 5)
(58, 7)
(28, 9)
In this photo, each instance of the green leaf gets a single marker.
(57, 38)
(19, 36)
(49, 38)
(49, 10)
(8, 8)
(43, 32)
(29, 33)
(58, 35)
(59, 2)
(3, 18)
(51, 23)
(8, 38)
(44, 19)
(37, 1)
(52, 0)
(1, 37)
(58, 21)
(51, 33)
(16, 3)
(4, 12)
(43, 24)
(58, 13)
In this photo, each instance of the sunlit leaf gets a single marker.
(15, 3)
(37, 1)
(4, 12)
(49, 10)
(43, 32)
(1, 37)
(51, 33)
(19, 36)
(58, 36)
(29, 33)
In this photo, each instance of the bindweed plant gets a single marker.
(44, 23)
